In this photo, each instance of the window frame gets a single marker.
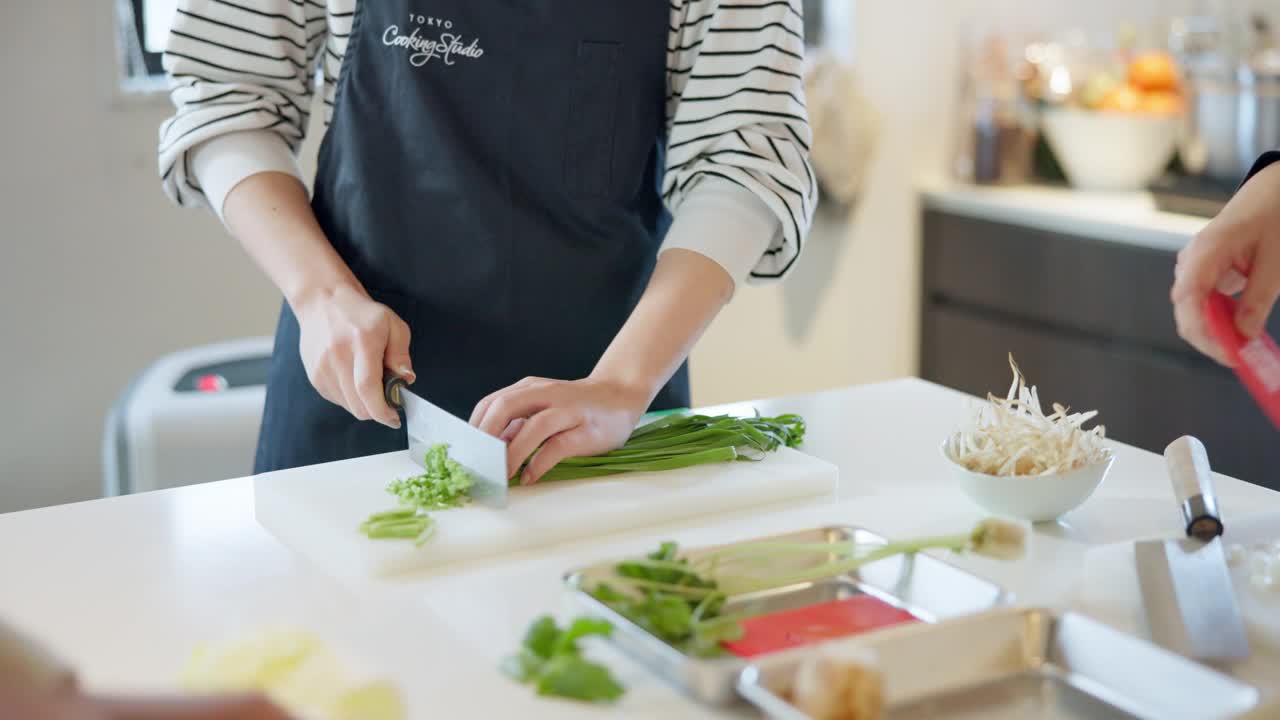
(153, 62)
(815, 15)
(136, 75)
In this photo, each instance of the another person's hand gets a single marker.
(1244, 239)
(565, 418)
(23, 702)
(232, 707)
(347, 341)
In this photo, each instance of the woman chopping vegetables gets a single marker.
(531, 210)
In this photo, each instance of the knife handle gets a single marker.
(1192, 479)
(1256, 362)
(391, 385)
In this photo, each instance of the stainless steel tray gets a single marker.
(1020, 663)
(923, 585)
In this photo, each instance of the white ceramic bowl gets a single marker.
(1110, 151)
(1040, 498)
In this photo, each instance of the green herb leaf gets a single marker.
(571, 676)
(667, 616)
(567, 642)
(542, 636)
(666, 551)
(524, 666)
(670, 600)
(551, 660)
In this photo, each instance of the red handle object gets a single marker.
(1256, 362)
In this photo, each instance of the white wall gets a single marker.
(848, 314)
(98, 273)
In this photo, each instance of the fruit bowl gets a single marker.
(1110, 151)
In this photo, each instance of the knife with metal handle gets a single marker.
(481, 454)
(1192, 480)
(1186, 585)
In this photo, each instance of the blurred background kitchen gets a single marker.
(998, 175)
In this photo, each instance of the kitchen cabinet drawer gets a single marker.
(1144, 398)
(1079, 284)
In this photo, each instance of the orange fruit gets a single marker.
(1161, 102)
(1154, 71)
(1123, 99)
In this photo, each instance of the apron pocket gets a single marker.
(589, 148)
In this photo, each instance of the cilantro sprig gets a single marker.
(551, 661)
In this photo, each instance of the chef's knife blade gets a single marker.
(1186, 586)
(481, 454)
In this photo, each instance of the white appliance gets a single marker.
(192, 417)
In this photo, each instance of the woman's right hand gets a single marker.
(347, 338)
(1243, 238)
(347, 341)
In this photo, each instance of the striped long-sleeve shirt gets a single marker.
(738, 179)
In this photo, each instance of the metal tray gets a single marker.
(925, 586)
(1020, 663)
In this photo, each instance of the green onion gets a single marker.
(399, 524)
(673, 442)
(444, 484)
(670, 442)
(679, 599)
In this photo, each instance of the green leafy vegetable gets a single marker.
(552, 662)
(567, 642)
(680, 601)
(743, 569)
(679, 441)
(445, 484)
(666, 597)
(399, 524)
(571, 676)
(668, 443)
(541, 637)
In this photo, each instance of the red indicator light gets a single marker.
(211, 383)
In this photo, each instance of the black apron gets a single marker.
(492, 174)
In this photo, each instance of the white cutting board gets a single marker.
(1110, 591)
(317, 510)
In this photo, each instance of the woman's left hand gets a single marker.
(565, 418)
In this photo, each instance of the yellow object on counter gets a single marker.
(297, 672)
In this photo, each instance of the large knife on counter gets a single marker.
(481, 454)
(1186, 585)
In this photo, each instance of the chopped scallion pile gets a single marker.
(444, 484)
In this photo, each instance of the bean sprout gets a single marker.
(1012, 436)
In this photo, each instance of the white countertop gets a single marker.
(125, 587)
(1129, 218)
